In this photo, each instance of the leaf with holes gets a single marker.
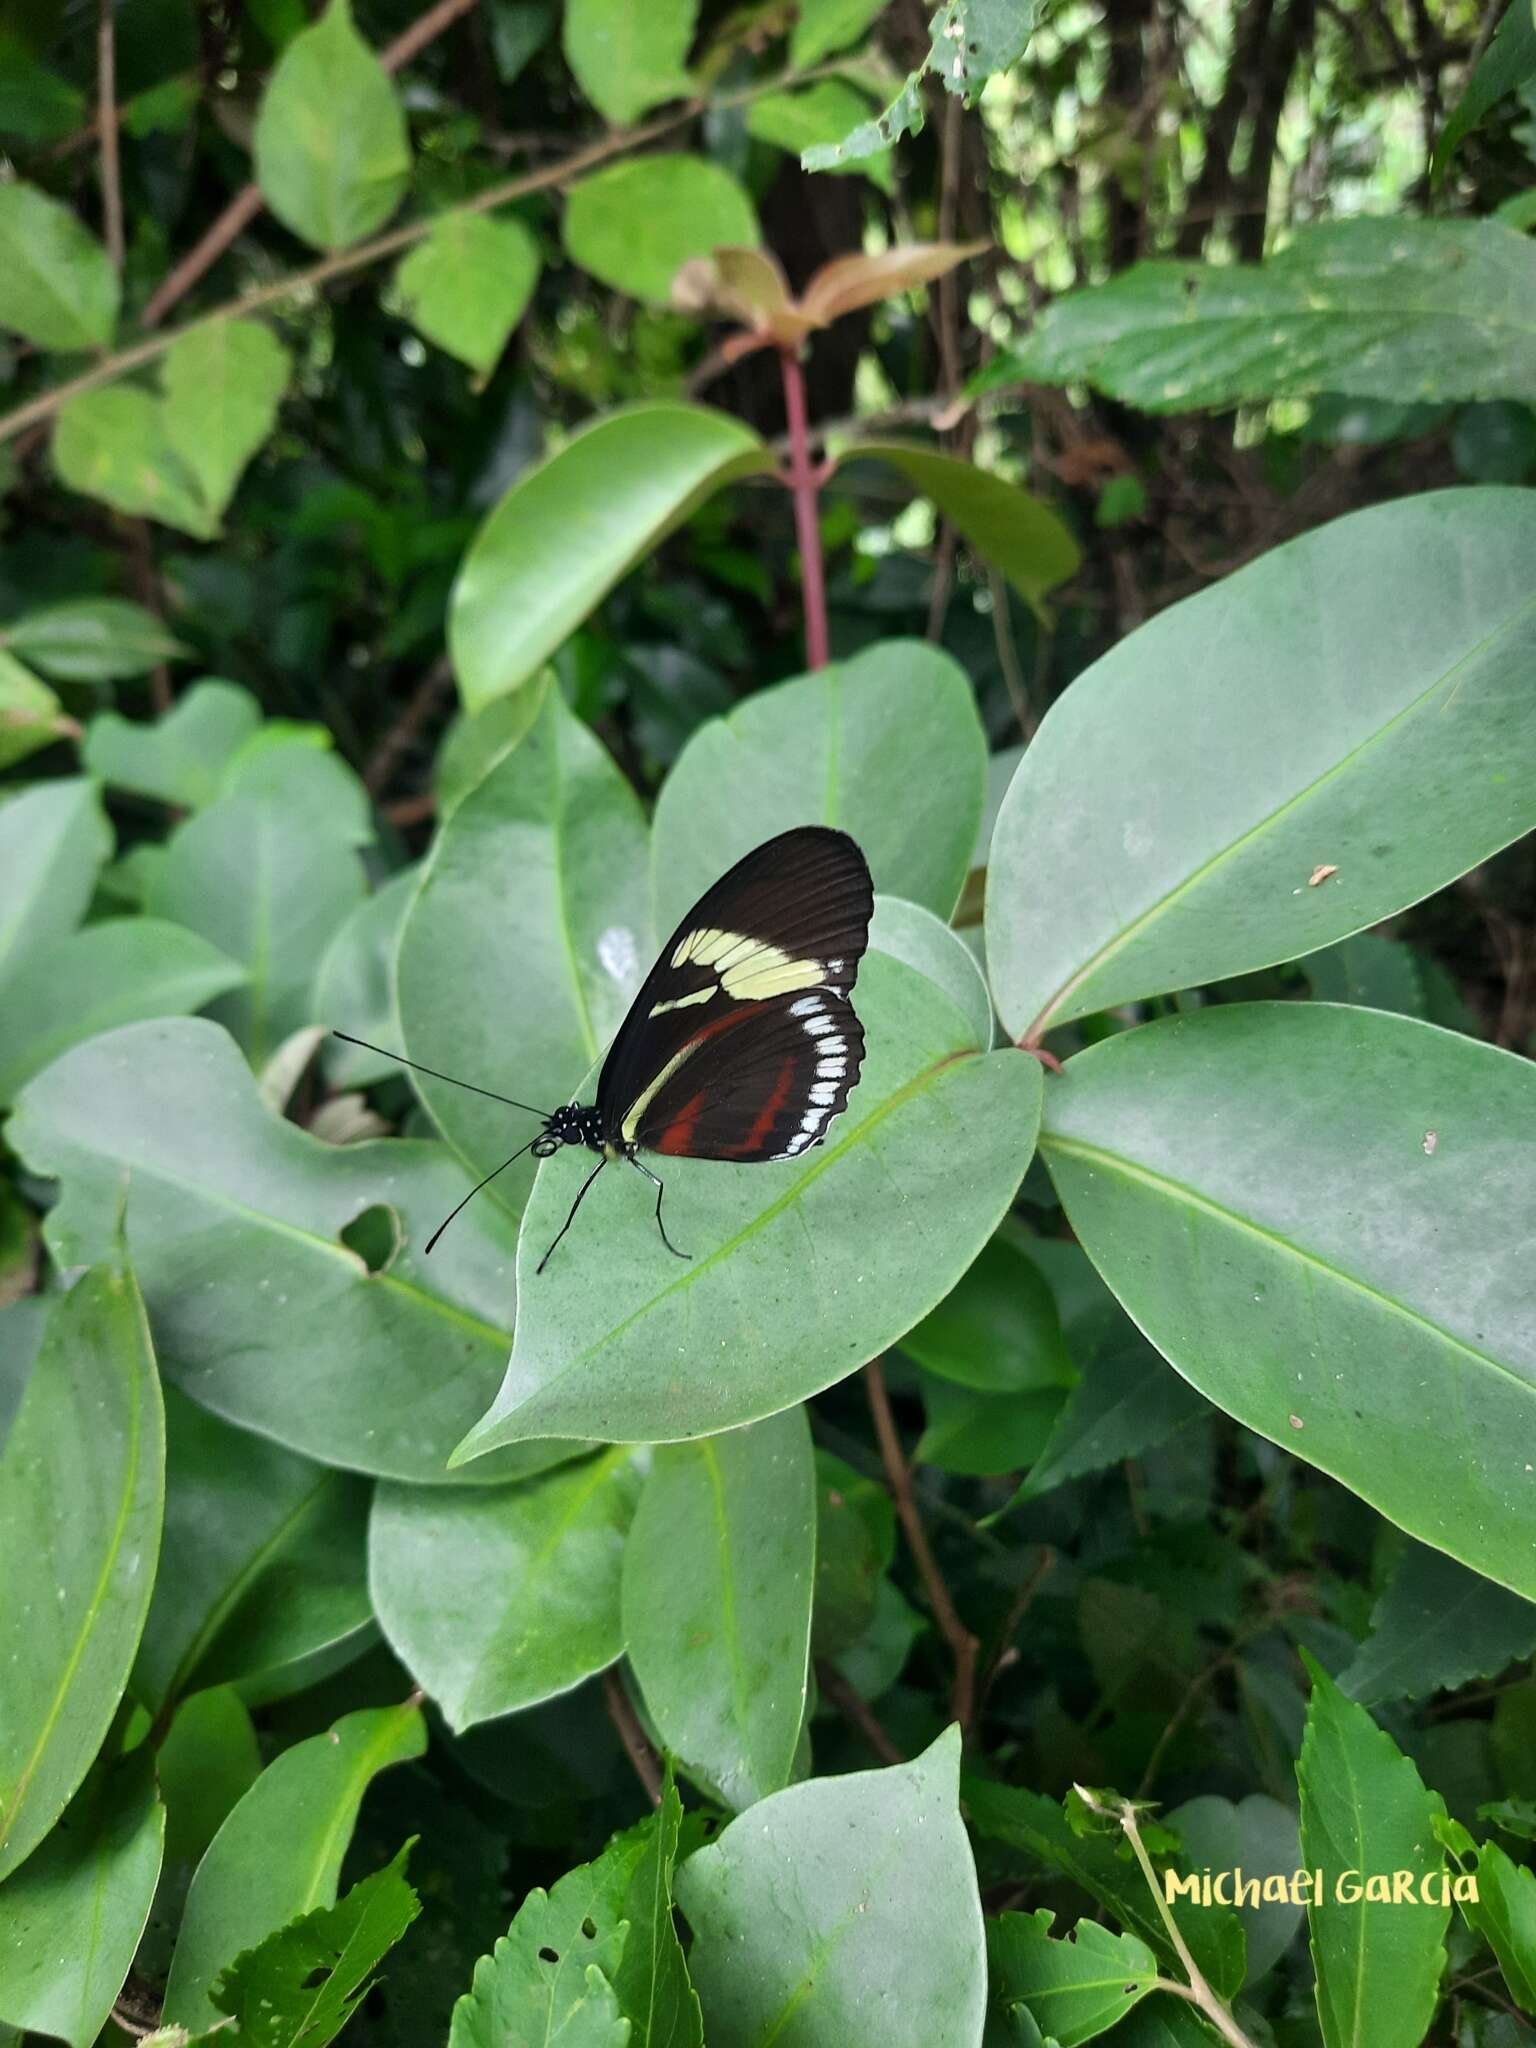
(1074, 1986)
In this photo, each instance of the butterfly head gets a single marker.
(574, 1124)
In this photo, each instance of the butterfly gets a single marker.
(742, 1043)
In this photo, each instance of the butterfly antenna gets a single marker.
(479, 1184)
(385, 1052)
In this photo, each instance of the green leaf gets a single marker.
(473, 745)
(1017, 533)
(721, 1649)
(331, 150)
(563, 952)
(468, 284)
(1364, 1810)
(1256, 1836)
(1503, 1911)
(629, 59)
(1505, 65)
(978, 1433)
(1037, 1827)
(1377, 973)
(1304, 707)
(887, 746)
(998, 1330)
(295, 768)
(279, 1853)
(113, 444)
(84, 1460)
(270, 1560)
(267, 882)
(207, 1762)
(111, 973)
(1436, 1626)
(778, 1278)
(904, 116)
(92, 640)
(549, 1978)
(817, 115)
(909, 932)
(651, 1980)
(182, 756)
(1126, 1402)
(621, 484)
(972, 39)
(822, 26)
(30, 714)
(57, 287)
(235, 1218)
(875, 1856)
(1212, 1209)
(497, 1599)
(223, 383)
(300, 1986)
(74, 1912)
(1395, 308)
(53, 840)
(355, 983)
(634, 224)
(1075, 1986)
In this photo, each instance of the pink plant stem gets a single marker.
(804, 483)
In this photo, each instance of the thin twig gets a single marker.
(1022, 1600)
(805, 490)
(856, 1710)
(248, 202)
(419, 707)
(363, 254)
(631, 1734)
(962, 1643)
(106, 116)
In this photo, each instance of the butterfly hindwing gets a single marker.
(717, 1057)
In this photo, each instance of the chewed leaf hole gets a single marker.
(549, 1955)
(589, 1928)
(376, 1236)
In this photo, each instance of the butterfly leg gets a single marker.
(660, 1191)
(565, 1226)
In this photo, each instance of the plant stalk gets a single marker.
(805, 488)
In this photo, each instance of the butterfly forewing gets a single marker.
(742, 1044)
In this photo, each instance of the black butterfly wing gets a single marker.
(787, 924)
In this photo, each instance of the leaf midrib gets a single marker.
(1117, 943)
(1078, 1148)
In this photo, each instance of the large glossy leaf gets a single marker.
(267, 882)
(569, 529)
(355, 983)
(781, 1280)
(634, 224)
(57, 287)
(1207, 1162)
(92, 640)
(629, 59)
(235, 1216)
(53, 839)
(1364, 1810)
(527, 939)
(721, 1647)
(1397, 309)
(332, 154)
(205, 1765)
(998, 1330)
(1008, 527)
(269, 1553)
(886, 746)
(468, 284)
(909, 932)
(71, 1917)
(279, 1853)
(181, 758)
(81, 1484)
(1356, 702)
(874, 1858)
(495, 1600)
(1436, 1626)
(116, 972)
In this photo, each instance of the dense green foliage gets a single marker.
(1109, 1460)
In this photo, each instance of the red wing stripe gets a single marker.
(674, 1139)
(763, 1123)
